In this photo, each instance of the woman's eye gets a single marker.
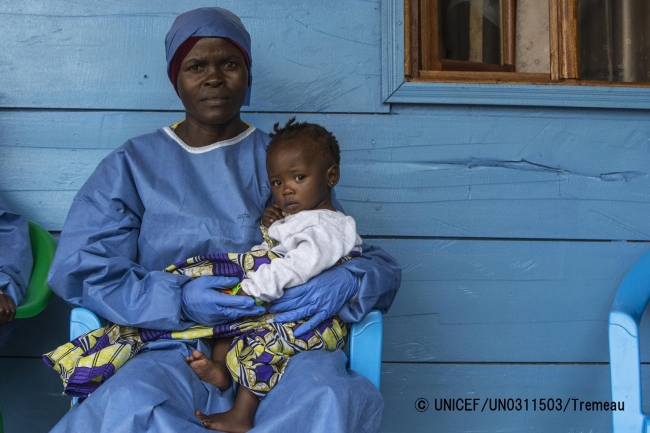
(300, 177)
(194, 68)
(230, 65)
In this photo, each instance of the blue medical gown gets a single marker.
(15, 254)
(152, 202)
(15, 260)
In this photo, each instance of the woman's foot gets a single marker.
(233, 421)
(209, 370)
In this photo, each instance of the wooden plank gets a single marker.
(31, 395)
(488, 202)
(403, 384)
(46, 209)
(488, 180)
(465, 73)
(509, 31)
(470, 301)
(306, 56)
(498, 301)
(570, 53)
(392, 46)
(555, 39)
(40, 334)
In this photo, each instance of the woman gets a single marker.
(194, 188)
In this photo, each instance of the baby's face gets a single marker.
(299, 177)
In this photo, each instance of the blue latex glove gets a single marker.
(321, 297)
(203, 304)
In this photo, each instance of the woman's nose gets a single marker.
(214, 77)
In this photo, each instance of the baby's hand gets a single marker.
(272, 214)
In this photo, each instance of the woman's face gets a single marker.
(212, 82)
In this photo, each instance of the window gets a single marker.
(596, 42)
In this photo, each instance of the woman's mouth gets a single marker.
(215, 100)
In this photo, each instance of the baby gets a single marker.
(308, 235)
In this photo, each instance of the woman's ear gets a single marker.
(333, 175)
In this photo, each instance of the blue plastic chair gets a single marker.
(365, 341)
(624, 356)
(365, 347)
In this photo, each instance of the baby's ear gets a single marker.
(333, 175)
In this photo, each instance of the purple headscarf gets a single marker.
(209, 22)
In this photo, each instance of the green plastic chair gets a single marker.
(38, 292)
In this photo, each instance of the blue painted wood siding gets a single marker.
(514, 225)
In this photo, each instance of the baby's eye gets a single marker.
(299, 177)
(276, 183)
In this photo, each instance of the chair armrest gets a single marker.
(365, 347)
(625, 370)
(38, 292)
(624, 354)
(82, 321)
(634, 292)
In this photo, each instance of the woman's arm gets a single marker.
(380, 276)
(96, 263)
(15, 255)
(351, 289)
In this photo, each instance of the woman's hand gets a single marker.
(203, 304)
(7, 309)
(321, 297)
(272, 214)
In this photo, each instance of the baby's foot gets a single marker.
(233, 421)
(208, 370)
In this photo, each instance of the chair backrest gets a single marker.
(624, 354)
(38, 292)
(365, 347)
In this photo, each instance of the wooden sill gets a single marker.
(460, 65)
(510, 78)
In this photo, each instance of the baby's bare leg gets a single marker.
(239, 419)
(212, 371)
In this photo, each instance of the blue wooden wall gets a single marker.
(514, 224)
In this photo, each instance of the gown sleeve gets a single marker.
(379, 277)
(15, 255)
(95, 265)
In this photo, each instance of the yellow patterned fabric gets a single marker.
(258, 358)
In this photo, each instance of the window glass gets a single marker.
(614, 40)
(470, 30)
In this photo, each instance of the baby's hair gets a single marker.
(324, 139)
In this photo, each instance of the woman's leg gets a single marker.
(317, 394)
(155, 391)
